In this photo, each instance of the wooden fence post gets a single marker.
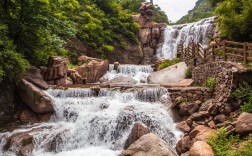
(224, 50)
(245, 53)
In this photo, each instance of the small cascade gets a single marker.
(137, 72)
(185, 34)
(96, 125)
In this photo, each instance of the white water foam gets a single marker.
(198, 32)
(98, 126)
(137, 72)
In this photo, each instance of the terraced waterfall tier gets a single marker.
(85, 123)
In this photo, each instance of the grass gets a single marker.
(188, 73)
(210, 83)
(168, 63)
(232, 145)
(71, 66)
(244, 92)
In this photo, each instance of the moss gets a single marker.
(168, 63)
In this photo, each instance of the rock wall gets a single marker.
(189, 94)
(227, 76)
(201, 118)
(150, 34)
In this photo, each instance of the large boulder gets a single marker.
(202, 133)
(34, 97)
(201, 148)
(137, 131)
(244, 124)
(149, 145)
(183, 145)
(92, 69)
(56, 73)
(18, 142)
(34, 76)
(76, 77)
(171, 74)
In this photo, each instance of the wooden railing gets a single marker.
(196, 54)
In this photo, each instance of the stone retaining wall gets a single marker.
(226, 74)
(189, 94)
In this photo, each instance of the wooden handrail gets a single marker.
(200, 55)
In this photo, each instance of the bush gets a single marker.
(210, 83)
(168, 63)
(243, 92)
(189, 72)
(247, 106)
(222, 144)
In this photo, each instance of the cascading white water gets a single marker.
(185, 34)
(98, 126)
(137, 72)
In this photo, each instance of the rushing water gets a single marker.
(185, 34)
(89, 125)
(137, 72)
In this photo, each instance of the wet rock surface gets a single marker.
(149, 145)
(35, 98)
(137, 131)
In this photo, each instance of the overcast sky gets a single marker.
(175, 9)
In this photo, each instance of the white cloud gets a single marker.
(175, 9)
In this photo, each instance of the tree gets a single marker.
(235, 19)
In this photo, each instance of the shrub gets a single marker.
(168, 63)
(247, 106)
(189, 72)
(222, 143)
(211, 83)
(108, 48)
(243, 92)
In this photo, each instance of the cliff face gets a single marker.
(202, 9)
(150, 34)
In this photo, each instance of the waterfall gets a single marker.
(98, 125)
(186, 33)
(137, 72)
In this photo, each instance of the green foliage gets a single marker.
(188, 72)
(108, 48)
(133, 6)
(210, 83)
(159, 15)
(235, 19)
(222, 145)
(202, 9)
(102, 23)
(247, 106)
(246, 150)
(12, 63)
(71, 65)
(33, 30)
(243, 92)
(168, 63)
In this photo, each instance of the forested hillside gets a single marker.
(33, 30)
(202, 9)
